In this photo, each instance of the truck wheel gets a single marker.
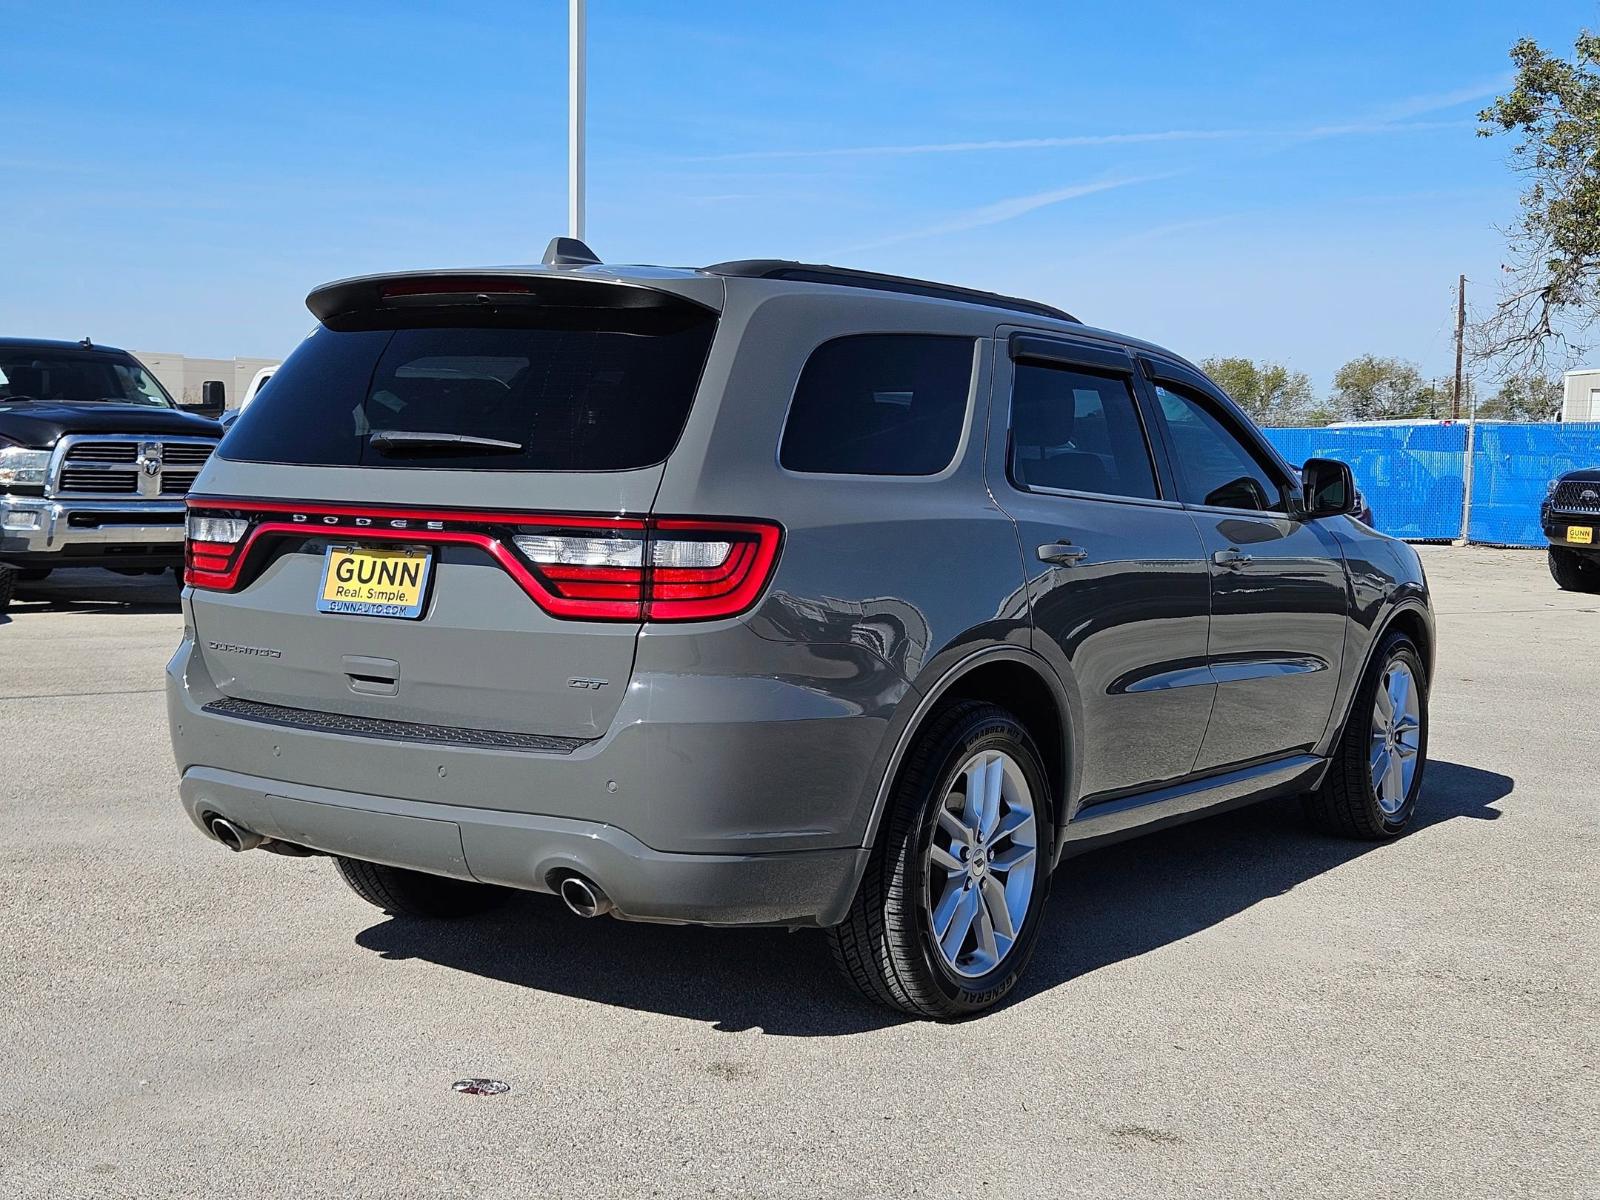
(403, 893)
(952, 900)
(1572, 572)
(1372, 785)
(8, 585)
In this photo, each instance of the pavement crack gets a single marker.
(83, 695)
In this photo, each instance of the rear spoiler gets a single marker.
(499, 287)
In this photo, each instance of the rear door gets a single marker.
(1115, 570)
(1279, 595)
(436, 513)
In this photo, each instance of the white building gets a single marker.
(182, 375)
(1581, 401)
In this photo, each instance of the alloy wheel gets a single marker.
(981, 863)
(1396, 736)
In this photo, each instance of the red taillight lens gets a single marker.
(580, 568)
(667, 570)
(210, 546)
(702, 570)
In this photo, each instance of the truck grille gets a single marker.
(130, 466)
(1577, 495)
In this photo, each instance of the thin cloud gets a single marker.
(1392, 118)
(1038, 143)
(1416, 106)
(1005, 210)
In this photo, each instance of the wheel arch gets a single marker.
(1411, 620)
(1411, 617)
(1025, 685)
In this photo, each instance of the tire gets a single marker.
(402, 893)
(8, 585)
(1571, 571)
(1349, 802)
(886, 944)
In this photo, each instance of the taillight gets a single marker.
(666, 570)
(583, 568)
(209, 547)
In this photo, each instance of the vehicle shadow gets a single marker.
(98, 591)
(1108, 905)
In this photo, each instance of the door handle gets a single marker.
(1232, 559)
(1061, 554)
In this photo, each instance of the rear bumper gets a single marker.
(717, 799)
(92, 533)
(518, 850)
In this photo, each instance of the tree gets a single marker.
(1370, 388)
(1525, 397)
(1270, 392)
(1553, 282)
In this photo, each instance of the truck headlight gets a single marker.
(25, 468)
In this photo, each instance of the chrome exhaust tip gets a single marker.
(583, 898)
(233, 837)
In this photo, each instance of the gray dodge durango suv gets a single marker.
(768, 593)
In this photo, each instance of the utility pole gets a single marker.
(577, 35)
(1461, 331)
(1467, 462)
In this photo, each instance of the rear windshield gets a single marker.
(547, 389)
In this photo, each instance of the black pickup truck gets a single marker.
(1570, 516)
(95, 459)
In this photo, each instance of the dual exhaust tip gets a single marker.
(582, 898)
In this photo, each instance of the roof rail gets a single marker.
(778, 268)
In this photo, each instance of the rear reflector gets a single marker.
(583, 568)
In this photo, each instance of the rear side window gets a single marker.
(1078, 432)
(879, 404)
(539, 390)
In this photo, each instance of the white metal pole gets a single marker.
(1467, 474)
(576, 70)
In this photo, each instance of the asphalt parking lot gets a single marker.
(1241, 1007)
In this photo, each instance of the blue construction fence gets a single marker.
(1413, 474)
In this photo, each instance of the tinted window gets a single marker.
(879, 404)
(1079, 432)
(558, 389)
(1214, 467)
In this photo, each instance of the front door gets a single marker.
(1114, 566)
(1279, 595)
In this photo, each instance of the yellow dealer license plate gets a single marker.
(1580, 533)
(372, 582)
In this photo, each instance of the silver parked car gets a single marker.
(769, 593)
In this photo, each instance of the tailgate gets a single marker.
(484, 453)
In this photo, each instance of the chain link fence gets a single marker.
(1414, 476)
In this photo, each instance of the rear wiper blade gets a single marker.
(18, 396)
(408, 441)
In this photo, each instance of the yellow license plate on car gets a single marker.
(371, 582)
(1582, 534)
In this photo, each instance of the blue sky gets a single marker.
(1284, 180)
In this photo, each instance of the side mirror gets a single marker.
(213, 399)
(1328, 488)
